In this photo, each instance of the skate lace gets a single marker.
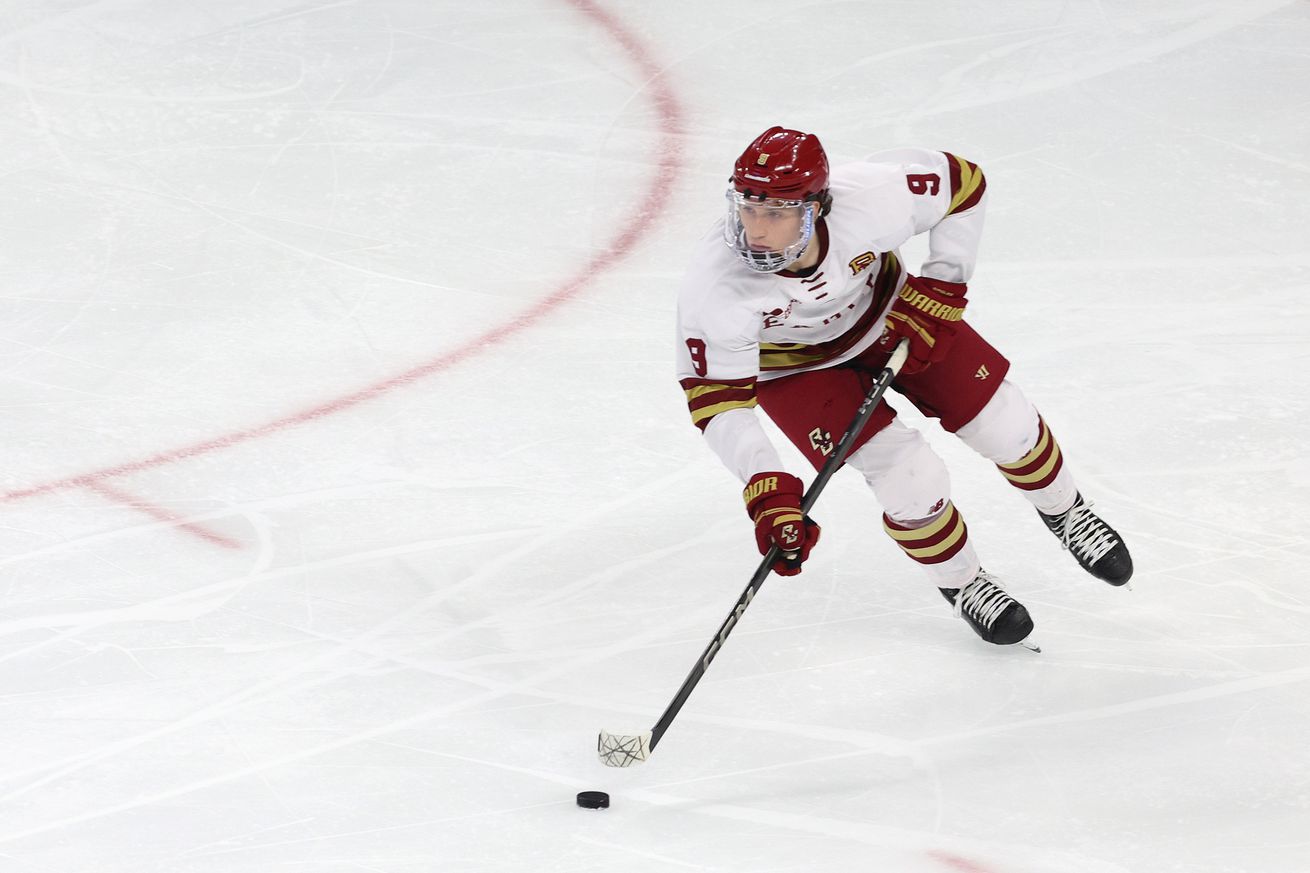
(983, 600)
(1085, 534)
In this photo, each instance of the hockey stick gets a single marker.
(624, 750)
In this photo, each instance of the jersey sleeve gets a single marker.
(718, 357)
(718, 364)
(946, 198)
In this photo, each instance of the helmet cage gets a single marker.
(734, 230)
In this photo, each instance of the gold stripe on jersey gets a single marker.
(701, 417)
(795, 355)
(967, 184)
(699, 391)
(706, 398)
(792, 356)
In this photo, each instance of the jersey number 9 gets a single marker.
(923, 183)
(697, 349)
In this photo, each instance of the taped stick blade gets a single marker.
(623, 750)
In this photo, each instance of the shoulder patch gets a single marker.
(862, 262)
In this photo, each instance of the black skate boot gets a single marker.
(1098, 548)
(994, 615)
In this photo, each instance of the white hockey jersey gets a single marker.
(737, 326)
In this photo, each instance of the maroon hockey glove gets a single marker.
(925, 313)
(773, 501)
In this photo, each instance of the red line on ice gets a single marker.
(955, 862)
(655, 200)
(159, 513)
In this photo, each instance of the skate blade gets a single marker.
(1031, 646)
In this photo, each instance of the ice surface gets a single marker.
(348, 492)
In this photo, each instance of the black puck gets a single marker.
(593, 800)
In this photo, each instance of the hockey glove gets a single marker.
(925, 313)
(773, 501)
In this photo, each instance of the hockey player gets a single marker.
(800, 310)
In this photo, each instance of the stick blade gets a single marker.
(623, 750)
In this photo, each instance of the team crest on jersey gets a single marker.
(860, 263)
(777, 317)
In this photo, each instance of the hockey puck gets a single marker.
(593, 800)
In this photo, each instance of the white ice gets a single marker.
(348, 491)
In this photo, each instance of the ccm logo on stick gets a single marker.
(727, 629)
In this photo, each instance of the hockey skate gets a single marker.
(1097, 547)
(994, 615)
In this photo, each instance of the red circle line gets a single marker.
(655, 201)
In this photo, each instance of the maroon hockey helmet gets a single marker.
(783, 164)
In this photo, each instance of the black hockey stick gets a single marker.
(624, 750)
